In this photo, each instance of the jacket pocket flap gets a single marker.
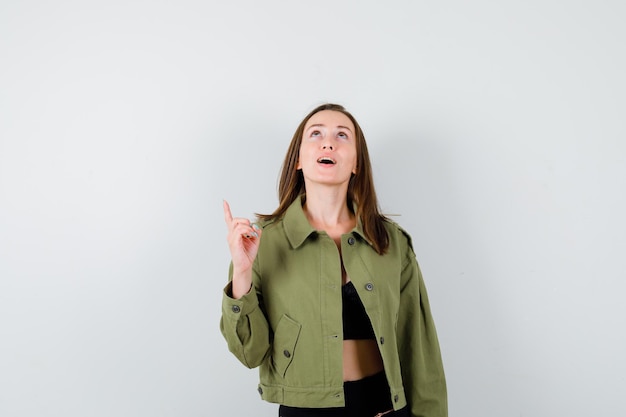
(284, 346)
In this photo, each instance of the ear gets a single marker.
(298, 165)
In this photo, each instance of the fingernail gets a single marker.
(255, 234)
(255, 226)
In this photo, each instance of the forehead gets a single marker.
(330, 118)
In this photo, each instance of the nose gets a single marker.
(327, 144)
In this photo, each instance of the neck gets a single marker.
(327, 208)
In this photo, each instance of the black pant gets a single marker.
(364, 398)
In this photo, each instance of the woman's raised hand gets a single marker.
(243, 241)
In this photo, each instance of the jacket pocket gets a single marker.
(284, 346)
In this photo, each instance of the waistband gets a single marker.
(367, 397)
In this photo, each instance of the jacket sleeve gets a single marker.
(244, 325)
(420, 357)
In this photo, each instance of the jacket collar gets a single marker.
(298, 228)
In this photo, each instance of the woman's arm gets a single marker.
(420, 357)
(243, 322)
(245, 326)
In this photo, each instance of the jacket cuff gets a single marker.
(233, 309)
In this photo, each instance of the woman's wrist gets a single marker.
(241, 285)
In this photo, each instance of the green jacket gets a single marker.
(290, 324)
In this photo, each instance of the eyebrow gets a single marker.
(321, 125)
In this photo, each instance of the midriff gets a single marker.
(361, 358)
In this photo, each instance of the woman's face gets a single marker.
(328, 149)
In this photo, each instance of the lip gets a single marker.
(326, 160)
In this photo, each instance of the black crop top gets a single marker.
(356, 324)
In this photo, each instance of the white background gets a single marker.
(497, 133)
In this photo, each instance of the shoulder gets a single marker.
(273, 229)
(268, 223)
(399, 238)
(398, 232)
(264, 223)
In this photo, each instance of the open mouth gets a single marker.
(326, 160)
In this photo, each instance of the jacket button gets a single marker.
(369, 286)
(395, 398)
(286, 353)
(236, 309)
(382, 340)
(351, 241)
(260, 390)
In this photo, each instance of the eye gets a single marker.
(342, 135)
(315, 133)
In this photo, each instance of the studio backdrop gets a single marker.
(498, 139)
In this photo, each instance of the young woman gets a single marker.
(325, 294)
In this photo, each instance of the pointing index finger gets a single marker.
(228, 217)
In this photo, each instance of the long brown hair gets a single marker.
(360, 188)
